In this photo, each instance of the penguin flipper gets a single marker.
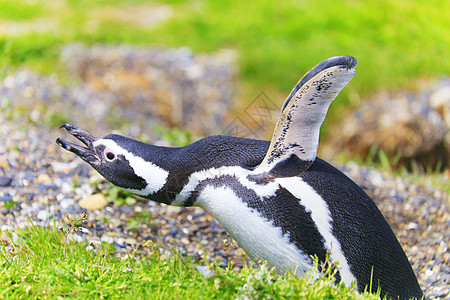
(295, 140)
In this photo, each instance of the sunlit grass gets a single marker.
(20, 10)
(41, 263)
(396, 42)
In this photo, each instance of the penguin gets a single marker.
(280, 202)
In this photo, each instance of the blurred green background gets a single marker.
(397, 42)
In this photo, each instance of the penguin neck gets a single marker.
(206, 154)
(166, 158)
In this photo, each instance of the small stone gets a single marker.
(441, 293)
(43, 215)
(93, 202)
(173, 210)
(5, 181)
(130, 201)
(5, 198)
(44, 179)
(205, 271)
(412, 226)
(94, 241)
(66, 203)
(130, 241)
(42, 188)
(4, 164)
(126, 209)
(108, 239)
(60, 167)
(28, 178)
(440, 100)
(94, 177)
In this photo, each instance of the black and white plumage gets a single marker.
(276, 199)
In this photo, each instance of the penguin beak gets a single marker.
(87, 153)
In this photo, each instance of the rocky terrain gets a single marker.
(414, 127)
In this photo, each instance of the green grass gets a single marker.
(396, 42)
(20, 10)
(38, 263)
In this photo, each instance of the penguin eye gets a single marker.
(109, 154)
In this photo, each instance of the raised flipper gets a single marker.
(296, 137)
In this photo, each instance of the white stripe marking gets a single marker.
(154, 176)
(320, 214)
(266, 190)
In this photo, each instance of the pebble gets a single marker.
(60, 167)
(5, 181)
(5, 198)
(205, 271)
(43, 215)
(66, 203)
(93, 202)
(130, 241)
(418, 213)
(108, 239)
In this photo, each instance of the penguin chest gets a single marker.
(259, 237)
(283, 222)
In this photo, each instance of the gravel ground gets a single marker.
(46, 183)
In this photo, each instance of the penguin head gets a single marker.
(125, 162)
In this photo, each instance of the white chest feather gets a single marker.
(255, 235)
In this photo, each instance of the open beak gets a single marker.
(86, 152)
